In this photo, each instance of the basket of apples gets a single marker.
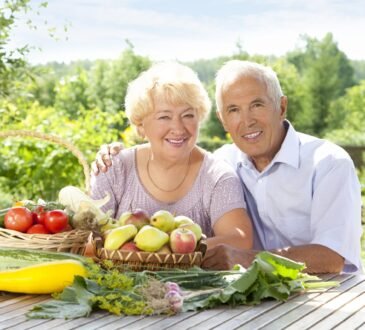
(139, 242)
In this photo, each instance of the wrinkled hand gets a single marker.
(103, 160)
(223, 257)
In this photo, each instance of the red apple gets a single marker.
(129, 246)
(138, 217)
(182, 240)
(195, 228)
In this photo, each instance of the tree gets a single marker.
(326, 73)
(14, 70)
(120, 73)
(347, 117)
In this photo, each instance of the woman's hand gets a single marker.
(103, 160)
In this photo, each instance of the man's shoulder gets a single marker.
(322, 150)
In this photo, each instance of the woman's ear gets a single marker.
(140, 131)
(220, 118)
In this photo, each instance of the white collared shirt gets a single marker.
(308, 194)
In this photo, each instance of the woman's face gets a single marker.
(172, 130)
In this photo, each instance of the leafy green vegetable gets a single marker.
(109, 290)
(269, 276)
(136, 293)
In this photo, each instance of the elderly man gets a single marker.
(302, 193)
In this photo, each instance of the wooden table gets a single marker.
(336, 308)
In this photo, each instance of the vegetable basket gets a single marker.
(73, 241)
(139, 260)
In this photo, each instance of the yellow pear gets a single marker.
(182, 220)
(118, 236)
(195, 228)
(150, 239)
(123, 217)
(165, 249)
(163, 220)
(111, 224)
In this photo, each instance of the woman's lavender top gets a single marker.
(216, 191)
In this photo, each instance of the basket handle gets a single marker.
(55, 139)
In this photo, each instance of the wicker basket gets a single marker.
(138, 261)
(73, 241)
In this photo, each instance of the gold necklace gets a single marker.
(178, 186)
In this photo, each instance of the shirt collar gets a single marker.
(289, 151)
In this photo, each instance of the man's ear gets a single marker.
(220, 118)
(283, 106)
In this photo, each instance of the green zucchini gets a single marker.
(11, 258)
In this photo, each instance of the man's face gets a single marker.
(254, 122)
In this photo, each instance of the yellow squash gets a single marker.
(43, 278)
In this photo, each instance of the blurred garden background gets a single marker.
(82, 102)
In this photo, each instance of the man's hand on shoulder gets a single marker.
(103, 157)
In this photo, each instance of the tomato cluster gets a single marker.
(38, 221)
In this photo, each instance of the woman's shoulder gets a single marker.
(215, 168)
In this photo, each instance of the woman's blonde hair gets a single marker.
(171, 82)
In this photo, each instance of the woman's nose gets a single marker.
(177, 125)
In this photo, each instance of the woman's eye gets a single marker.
(163, 118)
(189, 115)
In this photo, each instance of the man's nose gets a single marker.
(248, 118)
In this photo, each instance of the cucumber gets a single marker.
(11, 258)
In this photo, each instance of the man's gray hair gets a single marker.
(234, 70)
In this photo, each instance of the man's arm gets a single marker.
(103, 160)
(318, 258)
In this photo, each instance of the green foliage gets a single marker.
(31, 169)
(120, 73)
(359, 70)
(326, 73)
(13, 67)
(71, 94)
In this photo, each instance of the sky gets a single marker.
(187, 30)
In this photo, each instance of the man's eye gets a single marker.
(257, 105)
(232, 110)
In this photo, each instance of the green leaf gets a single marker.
(246, 279)
(58, 309)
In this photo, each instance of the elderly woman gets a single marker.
(166, 104)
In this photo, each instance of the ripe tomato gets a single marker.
(55, 221)
(38, 229)
(39, 215)
(18, 218)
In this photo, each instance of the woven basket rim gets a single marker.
(69, 241)
(56, 140)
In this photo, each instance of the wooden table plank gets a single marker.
(355, 321)
(247, 314)
(329, 303)
(172, 321)
(343, 313)
(292, 303)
